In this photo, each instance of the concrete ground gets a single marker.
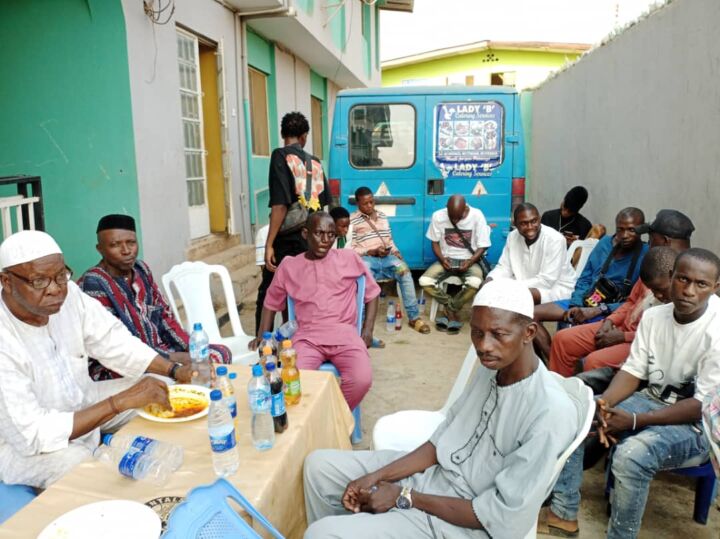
(417, 371)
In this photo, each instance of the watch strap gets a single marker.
(174, 369)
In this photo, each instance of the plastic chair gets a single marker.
(356, 436)
(444, 285)
(192, 282)
(206, 514)
(13, 498)
(586, 247)
(409, 429)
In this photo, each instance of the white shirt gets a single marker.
(44, 380)
(671, 355)
(473, 227)
(542, 265)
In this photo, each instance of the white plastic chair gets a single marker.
(586, 247)
(409, 429)
(192, 282)
(444, 285)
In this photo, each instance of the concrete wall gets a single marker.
(154, 82)
(637, 122)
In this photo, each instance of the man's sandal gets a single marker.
(454, 327)
(420, 326)
(441, 323)
(558, 528)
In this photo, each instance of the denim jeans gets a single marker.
(636, 459)
(391, 267)
(434, 276)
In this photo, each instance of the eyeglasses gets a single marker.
(41, 283)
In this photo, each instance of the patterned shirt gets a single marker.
(366, 237)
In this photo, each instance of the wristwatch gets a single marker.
(173, 370)
(404, 501)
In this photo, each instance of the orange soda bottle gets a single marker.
(290, 373)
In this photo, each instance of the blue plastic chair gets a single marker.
(13, 498)
(704, 488)
(206, 514)
(356, 436)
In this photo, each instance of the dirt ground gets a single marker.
(417, 371)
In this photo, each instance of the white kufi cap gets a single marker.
(25, 246)
(507, 294)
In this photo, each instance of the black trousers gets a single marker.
(290, 245)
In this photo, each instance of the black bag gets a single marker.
(483, 263)
(606, 291)
(297, 214)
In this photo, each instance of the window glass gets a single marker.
(382, 136)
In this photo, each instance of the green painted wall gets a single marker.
(66, 114)
(467, 63)
(337, 25)
(367, 38)
(261, 56)
(306, 5)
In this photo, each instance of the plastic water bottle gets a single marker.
(267, 340)
(222, 382)
(390, 318)
(170, 454)
(421, 302)
(259, 399)
(135, 464)
(226, 460)
(286, 331)
(279, 413)
(200, 355)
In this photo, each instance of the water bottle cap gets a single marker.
(256, 370)
(221, 371)
(267, 335)
(270, 366)
(391, 302)
(106, 438)
(287, 343)
(232, 375)
(197, 326)
(267, 350)
(215, 395)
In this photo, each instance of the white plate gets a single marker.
(110, 519)
(180, 390)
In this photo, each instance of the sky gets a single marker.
(436, 24)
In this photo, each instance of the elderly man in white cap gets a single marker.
(487, 468)
(50, 409)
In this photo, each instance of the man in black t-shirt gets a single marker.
(287, 182)
(567, 219)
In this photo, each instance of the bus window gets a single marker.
(382, 136)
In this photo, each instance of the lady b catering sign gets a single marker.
(468, 138)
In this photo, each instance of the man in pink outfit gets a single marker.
(322, 282)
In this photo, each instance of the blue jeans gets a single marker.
(391, 267)
(636, 459)
(13, 498)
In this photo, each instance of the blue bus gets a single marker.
(414, 147)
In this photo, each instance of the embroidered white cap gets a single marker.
(25, 246)
(507, 294)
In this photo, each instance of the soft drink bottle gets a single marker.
(222, 436)
(290, 374)
(390, 318)
(134, 464)
(170, 454)
(267, 357)
(267, 340)
(398, 317)
(200, 355)
(260, 400)
(279, 414)
(222, 382)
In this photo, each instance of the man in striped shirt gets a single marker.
(372, 240)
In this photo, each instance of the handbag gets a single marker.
(297, 214)
(606, 291)
(483, 262)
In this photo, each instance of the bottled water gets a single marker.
(222, 436)
(267, 340)
(263, 431)
(421, 302)
(277, 394)
(170, 454)
(200, 355)
(222, 382)
(135, 464)
(390, 318)
(286, 331)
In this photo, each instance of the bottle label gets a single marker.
(260, 401)
(223, 442)
(204, 352)
(278, 404)
(390, 319)
(292, 388)
(141, 443)
(232, 406)
(128, 462)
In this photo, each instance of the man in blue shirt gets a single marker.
(605, 282)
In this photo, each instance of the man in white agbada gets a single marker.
(50, 409)
(536, 255)
(487, 468)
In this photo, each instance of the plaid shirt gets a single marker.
(365, 237)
